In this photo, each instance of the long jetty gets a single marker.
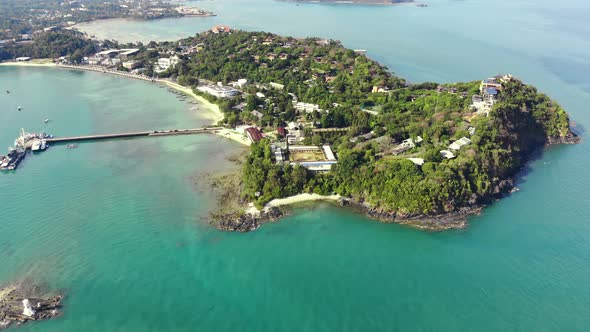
(172, 132)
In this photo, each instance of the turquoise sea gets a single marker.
(120, 225)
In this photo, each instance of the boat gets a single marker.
(4, 160)
(12, 159)
(46, 121)
(20, 108)
(7, 92)
(36, 146)
(71, 146)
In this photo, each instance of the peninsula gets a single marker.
(327, 120)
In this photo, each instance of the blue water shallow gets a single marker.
(119, 225)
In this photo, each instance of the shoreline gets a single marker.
(32, 63)
(216, 113)
(214, 108)
(301, 198)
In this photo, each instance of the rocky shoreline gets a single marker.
(24, 302)
(569, 138)
(434, 222)
(246, 222)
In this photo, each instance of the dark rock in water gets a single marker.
(570, 138)
(23, 302)
(247, 222)
(433, 222)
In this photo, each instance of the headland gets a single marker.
(325, 120)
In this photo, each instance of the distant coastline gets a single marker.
(355, 2)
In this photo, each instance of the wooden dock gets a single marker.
(171, 132)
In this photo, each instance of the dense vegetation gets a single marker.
(519, 123)
(52, 45)
(343, 82)
(316, 71)
(378, 110)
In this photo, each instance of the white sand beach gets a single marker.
(300, 199)
(32, 63)
(217, 115)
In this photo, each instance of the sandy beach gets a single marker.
(32, 63)
(217, 114)
(300, 199)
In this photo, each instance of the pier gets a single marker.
(39, 142)
(171, 132)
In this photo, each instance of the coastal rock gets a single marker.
(23, 302)
(247, 222)
(433, 222)
(569, 138)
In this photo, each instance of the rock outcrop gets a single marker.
(247, 222)
(23, 302)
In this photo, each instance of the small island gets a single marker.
(22, 302)
(328, 122)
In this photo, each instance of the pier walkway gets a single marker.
(171, 132)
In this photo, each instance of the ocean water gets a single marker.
(119, 225)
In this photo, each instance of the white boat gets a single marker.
(36, 146)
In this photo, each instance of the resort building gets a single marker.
(277, 86)
(306, 107)
(131, 64)
(406, 145)
(254, 134)
(164, 64)
(218, 90)
(125, 53)
(447, 154)
(313, 158)
(458, 144)
(328, 153)
(416, 161)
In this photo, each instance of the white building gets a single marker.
(328, 153)
(277, 86)
(417, 161)
(23, 59)
(218, 91)
(447, 154)
(306, 107)
(458, 144)
(165, 63)
(131, 64)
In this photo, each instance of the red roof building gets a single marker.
(282, 132)
(254, 134)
